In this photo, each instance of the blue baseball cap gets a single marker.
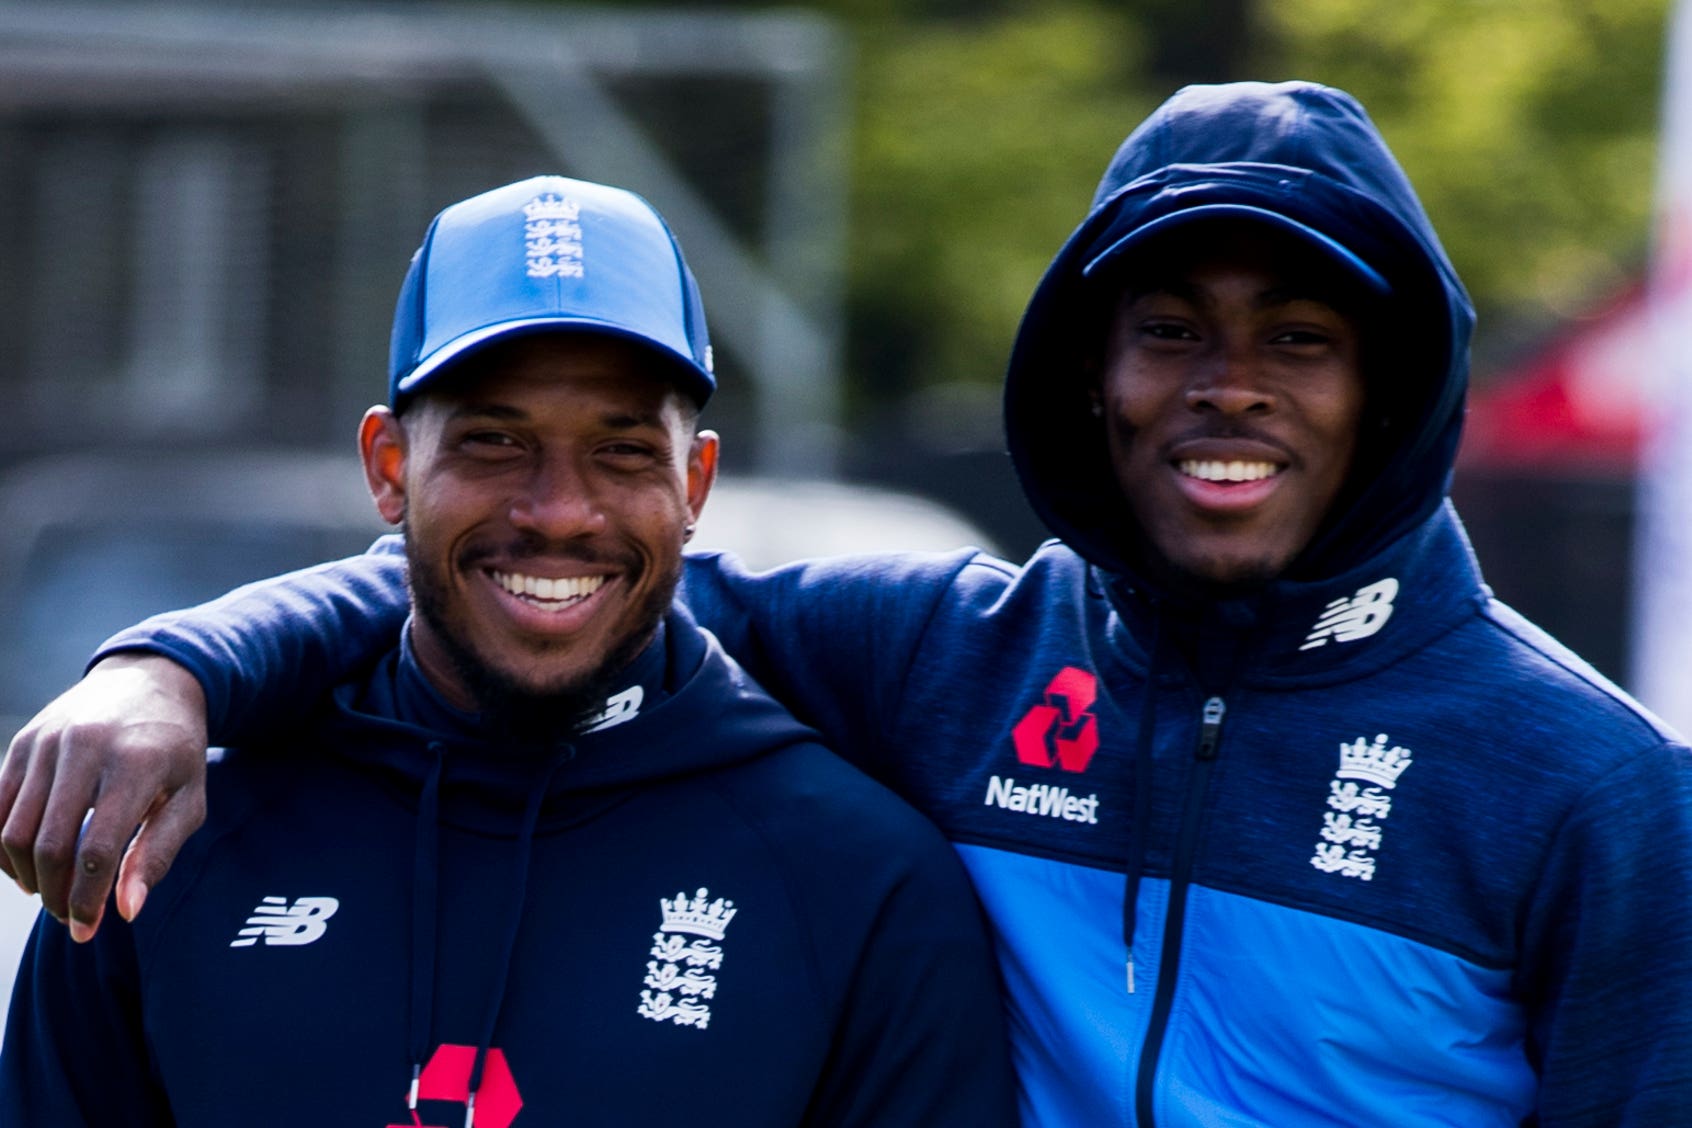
(547, 254)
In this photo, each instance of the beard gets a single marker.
(510, 708)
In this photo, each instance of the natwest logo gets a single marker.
(447, 1078)
(1062, 732)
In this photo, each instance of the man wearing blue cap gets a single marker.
(553, 859)
(1279, 818)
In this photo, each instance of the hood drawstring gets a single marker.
(425, 922)
(1142, 774)
(513, 924)
(424, 901)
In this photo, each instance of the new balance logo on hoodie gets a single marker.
(280, 923)
(1349, 619)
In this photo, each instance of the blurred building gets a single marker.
(205, 211)
(1546, 479)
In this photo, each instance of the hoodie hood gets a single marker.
(709, 715)
(1305, 159)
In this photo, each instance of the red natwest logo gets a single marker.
(1063, 732)
(447, 1078)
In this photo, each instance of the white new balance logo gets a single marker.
(281, 923)
(1347, 620)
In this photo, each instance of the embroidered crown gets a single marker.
(551, 206)
(1373, 762)
(698, 916)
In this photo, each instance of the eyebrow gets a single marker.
(615, 419)
(1284, 294)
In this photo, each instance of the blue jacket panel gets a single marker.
(1413, 866)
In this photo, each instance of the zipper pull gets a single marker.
(1210, 732)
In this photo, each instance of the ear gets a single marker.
(381, 444)
(701, 470)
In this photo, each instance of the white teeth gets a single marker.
(543, 589)
(1213, 471)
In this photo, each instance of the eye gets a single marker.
(489, 444)
(1160, 330)
(1302, 336)
(628, 454)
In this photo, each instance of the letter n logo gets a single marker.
(1062, 732)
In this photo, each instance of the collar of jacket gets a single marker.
(713, 716)
(1309, 633)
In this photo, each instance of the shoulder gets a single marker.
(1555, 683)
(1530, 717)
(820, 809)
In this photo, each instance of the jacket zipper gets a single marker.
(1186, 844)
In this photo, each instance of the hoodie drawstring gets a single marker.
(425, 894)
(425, 923)
(513, 924)
(1138, 832)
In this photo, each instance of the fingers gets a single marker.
(128, 741)
(82, 885)
(76, 786)
(154, 849)
(11, 783)
(29, 773)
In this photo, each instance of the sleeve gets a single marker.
(922, 1042)
(264, 648)
(74, 1052)
(832, 639)
(1610, 970)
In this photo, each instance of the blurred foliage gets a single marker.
(1528, 126)
(978, 145)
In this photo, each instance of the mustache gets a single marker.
(535, 547)
(1226, 431)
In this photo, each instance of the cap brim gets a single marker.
(1343, 256)
(690, 377)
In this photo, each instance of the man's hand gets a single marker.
(129, 740)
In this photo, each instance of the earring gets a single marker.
(1096, 409)
(687, 532)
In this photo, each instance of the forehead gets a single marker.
(563, 369)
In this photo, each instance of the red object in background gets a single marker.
(1579, 404)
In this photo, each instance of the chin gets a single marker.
(1226, 571)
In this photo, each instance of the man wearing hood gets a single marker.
(1279, 818)
(554, 858)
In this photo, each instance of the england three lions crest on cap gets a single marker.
(680, 977)
(552, 237)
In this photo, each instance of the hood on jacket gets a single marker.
(1301, 158)
(711, 715)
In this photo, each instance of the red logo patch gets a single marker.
(1063, 732)
(447, 1078)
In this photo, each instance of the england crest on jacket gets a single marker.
(687, 952)
(1358, 803)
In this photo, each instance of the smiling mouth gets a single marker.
(1211, 470)
(546, 593)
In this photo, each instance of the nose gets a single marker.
(1231, 381)
(556, 502)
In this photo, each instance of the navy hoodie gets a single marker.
(690, 914)
(1360, 846)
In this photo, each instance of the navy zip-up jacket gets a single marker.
(692, 914)
(1360, 846)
